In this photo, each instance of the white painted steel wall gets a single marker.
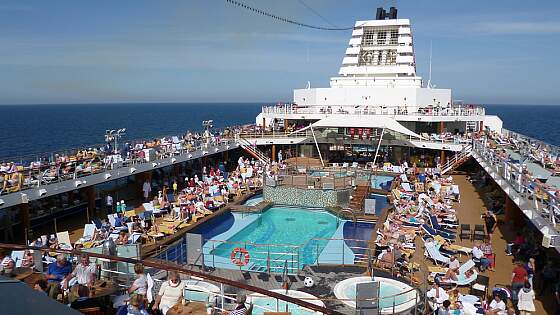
(415, 97)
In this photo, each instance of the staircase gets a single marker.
(457, 160)
(357, 202)
(253, 150)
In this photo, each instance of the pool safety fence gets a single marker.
(122, 279)
(274, 258)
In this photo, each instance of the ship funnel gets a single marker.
(381, 14)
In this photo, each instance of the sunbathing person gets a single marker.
(122, 239)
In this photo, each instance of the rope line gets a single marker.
(286, 20)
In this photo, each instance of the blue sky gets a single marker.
(210, 51)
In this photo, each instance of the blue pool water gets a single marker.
(270, 304)
(253, 201)
(325, 174)
(382, 182)
(385, 290)
(380, 202)
(285, 227)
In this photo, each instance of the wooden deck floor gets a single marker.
(469, 211)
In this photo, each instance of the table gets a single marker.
(190, 308)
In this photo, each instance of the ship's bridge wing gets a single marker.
(365, 122)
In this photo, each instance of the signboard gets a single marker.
(369, 206)
(194, 249)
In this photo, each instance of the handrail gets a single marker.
(375, 110)
(520, 182)
(346, 210)
(182, 270)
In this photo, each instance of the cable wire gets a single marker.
(286, 20)
(316, 13)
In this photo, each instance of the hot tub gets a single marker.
(267, 304)
(391, 291)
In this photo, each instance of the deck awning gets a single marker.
(372, 121)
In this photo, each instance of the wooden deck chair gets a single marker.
(166, 230)
(17, 186)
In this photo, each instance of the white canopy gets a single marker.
(364, 121)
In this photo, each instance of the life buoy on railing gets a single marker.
(240, 256)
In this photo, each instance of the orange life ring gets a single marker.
(240, 256)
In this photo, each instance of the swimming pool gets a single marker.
(282, 231)
(380, 202)
(326, 173)
(382, 182)
(393, 294)
(281, 236)
(253, 201)
(268, 304)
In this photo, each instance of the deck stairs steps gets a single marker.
(358, 197)
(457, 160)
(253, 150)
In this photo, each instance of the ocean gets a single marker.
(36, 129)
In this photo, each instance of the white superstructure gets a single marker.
(378, 69)
(378, 77)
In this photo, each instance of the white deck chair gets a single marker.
(345, 164)
(406, 187)
(111, 219)
(64, 238)
(404, 179)
(149, 294)
(435, 254)
(462, 278)
(129, 225)
(17, 257)
(135, 237)
(89, 230)
(354, 164)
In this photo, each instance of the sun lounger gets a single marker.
(438, 227)
(406, 187)
(462, 278)
(89, 230)
(17, 257)
(430, 231)
(403, 178)
(134, 238)
(97, 223)
(435, 254)
(64, 239)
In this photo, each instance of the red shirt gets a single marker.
(519, 274)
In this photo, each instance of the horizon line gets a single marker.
(217, 103)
